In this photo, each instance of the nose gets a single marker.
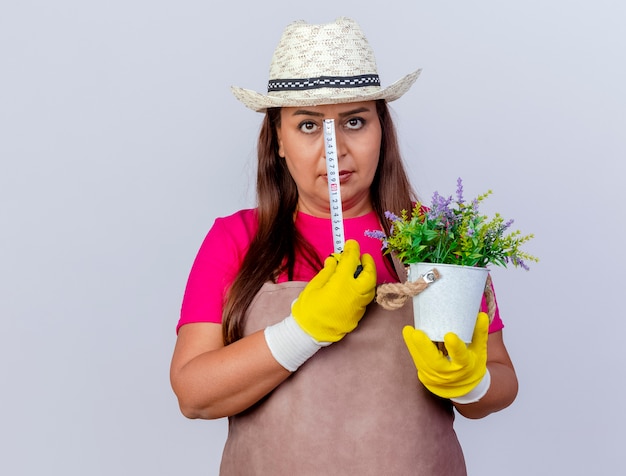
(334, 141)
(341, 143)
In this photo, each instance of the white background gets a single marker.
(120, 143)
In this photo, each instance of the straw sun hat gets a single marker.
(323, 64)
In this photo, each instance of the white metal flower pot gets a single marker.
(451, 303)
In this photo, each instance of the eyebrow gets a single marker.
(306, 112)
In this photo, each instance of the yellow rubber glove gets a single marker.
(460, 372)
(334, 301)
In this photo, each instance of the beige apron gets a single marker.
(355, 408)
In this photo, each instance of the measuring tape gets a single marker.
(334, 192)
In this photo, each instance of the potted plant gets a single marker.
(452, 240)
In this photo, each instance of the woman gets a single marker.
(281, 335)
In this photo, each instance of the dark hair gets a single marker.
(277, 199)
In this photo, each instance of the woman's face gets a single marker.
(301, 144)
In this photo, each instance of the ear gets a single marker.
(281, 150)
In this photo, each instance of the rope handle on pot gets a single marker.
(392, 296)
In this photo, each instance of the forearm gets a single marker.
(227, 380)
(501, 393)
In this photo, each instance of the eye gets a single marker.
(308, 127)
(354, 123)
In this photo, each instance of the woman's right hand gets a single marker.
(212, 380)
(334, 301)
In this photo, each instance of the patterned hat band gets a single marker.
(359, 81)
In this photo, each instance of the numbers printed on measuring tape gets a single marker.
(334, 192)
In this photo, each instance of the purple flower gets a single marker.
(475, 205)
(519, 262)
(392, 217)
(459, 191)
(440, 209)
(379, 235)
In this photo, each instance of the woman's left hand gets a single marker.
(458, 373)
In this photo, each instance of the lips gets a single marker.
(344, 176)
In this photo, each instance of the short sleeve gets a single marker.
(215, 267)
(496, 323)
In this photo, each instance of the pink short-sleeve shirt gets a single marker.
(224, 247)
